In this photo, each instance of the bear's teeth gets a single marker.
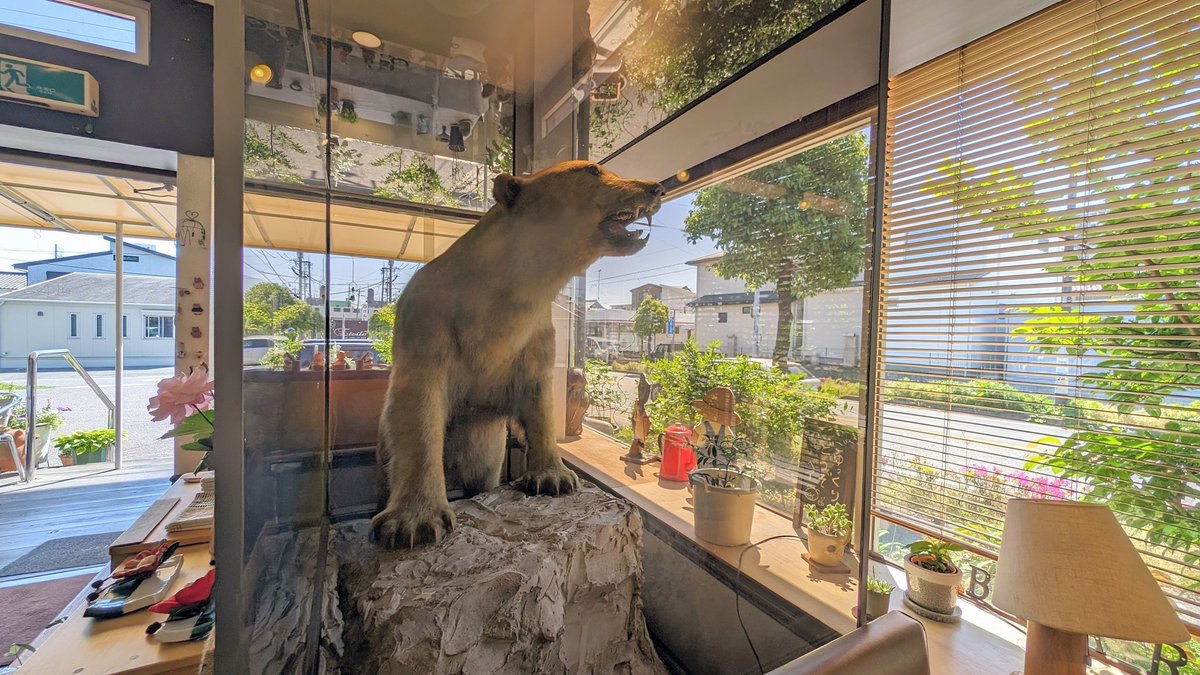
(635, 234)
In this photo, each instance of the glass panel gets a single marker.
(654, 57)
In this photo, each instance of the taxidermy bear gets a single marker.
(473, 343)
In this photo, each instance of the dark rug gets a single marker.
(29, 608)
(64, 553)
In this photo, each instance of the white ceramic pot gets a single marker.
(935, 591)
(41, 441)
(723, 515)
(824, 549)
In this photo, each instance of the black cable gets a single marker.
(737, 596)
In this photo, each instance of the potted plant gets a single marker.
(828, 532)
(723, 494)
(86, 447)
(47, 420)
(933, 577)
(879, 597)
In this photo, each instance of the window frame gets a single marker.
(160, 321)
(137, 10)
(73, 325)
(99, 327)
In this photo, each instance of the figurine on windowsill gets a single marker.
(339, 362)
(641, 426)
(577, 401)
(318, 362)
(719, 419)
(365, 362)
(291, 363)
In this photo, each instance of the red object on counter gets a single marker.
(677, 456)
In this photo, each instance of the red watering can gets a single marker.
(677, 455)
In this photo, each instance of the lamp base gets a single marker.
(1049, 651)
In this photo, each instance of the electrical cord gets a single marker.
(737, 596)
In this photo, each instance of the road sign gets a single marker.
(46, 85)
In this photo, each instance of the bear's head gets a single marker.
(582, 207)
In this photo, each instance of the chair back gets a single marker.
(9, 401)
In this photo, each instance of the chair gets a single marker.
(893, 644)
(9, 402)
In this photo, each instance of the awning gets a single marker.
(276, 217)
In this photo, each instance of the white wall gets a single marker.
(829, 318)
(22, 330)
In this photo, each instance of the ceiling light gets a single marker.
(260, 74)
(365, 39)
(682, 176)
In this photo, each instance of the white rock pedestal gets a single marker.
(523, 585)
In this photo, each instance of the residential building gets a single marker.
(674, 297)
(76, 311)
(140, 260)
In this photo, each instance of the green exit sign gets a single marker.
(49, 86)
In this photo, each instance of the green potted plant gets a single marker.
(45, 423)
(879, 597)
(828, 531)
(723, 494)
(933, 577)
(86, 447)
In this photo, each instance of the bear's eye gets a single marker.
(593, 169)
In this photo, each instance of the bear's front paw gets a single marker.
(555, 479)
(411, 524)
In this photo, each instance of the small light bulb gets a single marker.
(683, 176)
(804, 205)
(260, 74)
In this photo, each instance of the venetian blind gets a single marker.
(1040, 311)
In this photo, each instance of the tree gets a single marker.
(301, 318)
(650, 319)
(798, 223)
(417, 181)
(379, 329)
(266, 149)
(273, 296)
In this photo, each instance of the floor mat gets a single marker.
(30, 607)
(64, 553)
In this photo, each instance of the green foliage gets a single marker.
(650, 319)
(768, 236)
(934, 555)
(343, 160)
(771, 404)
(840, 388)
(267, 151)
(85, 442)
(300, 319)
(604, 396)
(971, 396)
(416, 181)
(379, 329)
(285, 345)
(879, 586)
(832, 521)
(273, 296)
(51, 417)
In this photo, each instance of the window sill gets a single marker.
(777, 565)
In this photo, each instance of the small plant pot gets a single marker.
(878, 604)
(67, 459)
(935, 591)
(92, 457)
(824, 549)
(41, 441)
(723, 515)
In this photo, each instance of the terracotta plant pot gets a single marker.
(67, 459)
(723, 515)
(6, 460)
(878, 604)
(935, 591)
(824, 549)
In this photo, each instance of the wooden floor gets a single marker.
(79, 500)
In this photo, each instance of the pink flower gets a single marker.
(181, 396)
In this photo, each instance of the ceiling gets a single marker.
(68, 201)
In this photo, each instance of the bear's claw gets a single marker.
(551, 480)
(409, 526)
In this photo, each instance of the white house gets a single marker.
(76, 311)
(744, 320)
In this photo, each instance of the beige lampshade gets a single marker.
(1069, 566)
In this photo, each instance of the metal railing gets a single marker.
(31, 405)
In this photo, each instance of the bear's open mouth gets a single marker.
(615, 226)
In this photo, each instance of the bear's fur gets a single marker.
(474, 344)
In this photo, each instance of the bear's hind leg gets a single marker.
(474, 452)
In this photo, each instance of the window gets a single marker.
(115, 28)
(722, 317)
(747, 310)
(159, 327)
(74, 328)
(1040, 327)
(124, 326)
(99, 325)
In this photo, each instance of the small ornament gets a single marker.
(183, 292)
(197, 309)
(196, 332)
(318, 362)
(641, 426)
(577, 401)
(190, 614)
(291, 363)
(182, 352)
(339, 362)
(365, 362)
(191, 231)
(197, 283)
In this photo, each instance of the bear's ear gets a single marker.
(506, 189)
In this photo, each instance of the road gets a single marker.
(66, 388)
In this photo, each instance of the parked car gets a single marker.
(603, 349)
(254, 348)
(792, 368)
(664, 351)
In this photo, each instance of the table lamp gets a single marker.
(1070, 571)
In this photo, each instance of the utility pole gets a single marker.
(387, 279)
(303, 270)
